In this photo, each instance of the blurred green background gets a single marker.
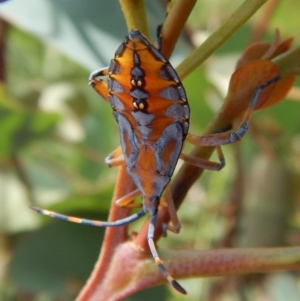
(55, 133)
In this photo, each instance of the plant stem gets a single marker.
(135, 15)
(221, 35)
(287, 62)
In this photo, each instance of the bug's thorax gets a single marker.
(145, 88)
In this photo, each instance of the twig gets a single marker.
(174, 23)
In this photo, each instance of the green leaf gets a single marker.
(20, 127)
(54, 257)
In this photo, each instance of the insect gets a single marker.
(150, 106)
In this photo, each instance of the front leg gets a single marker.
(115, 158)
(99, 85)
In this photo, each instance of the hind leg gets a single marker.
(228, 137)
(153, 216)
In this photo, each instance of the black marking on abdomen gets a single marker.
(136, 72)
(113, 86)
(167, 72)
(128, 139)
(144, 120)
(114, 67)
(173, 134)
(119, 52)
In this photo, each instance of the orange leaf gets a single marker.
(263, 50)
(242, 85)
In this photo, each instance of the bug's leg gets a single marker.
(233, 136)
(95, 75)
(99, 85)
(203, 163)
(158, 37)
(126, 200)
(175, 223)
(88, 222)
(153, 216)
(115, 158)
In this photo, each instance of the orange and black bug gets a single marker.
(150, 106)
